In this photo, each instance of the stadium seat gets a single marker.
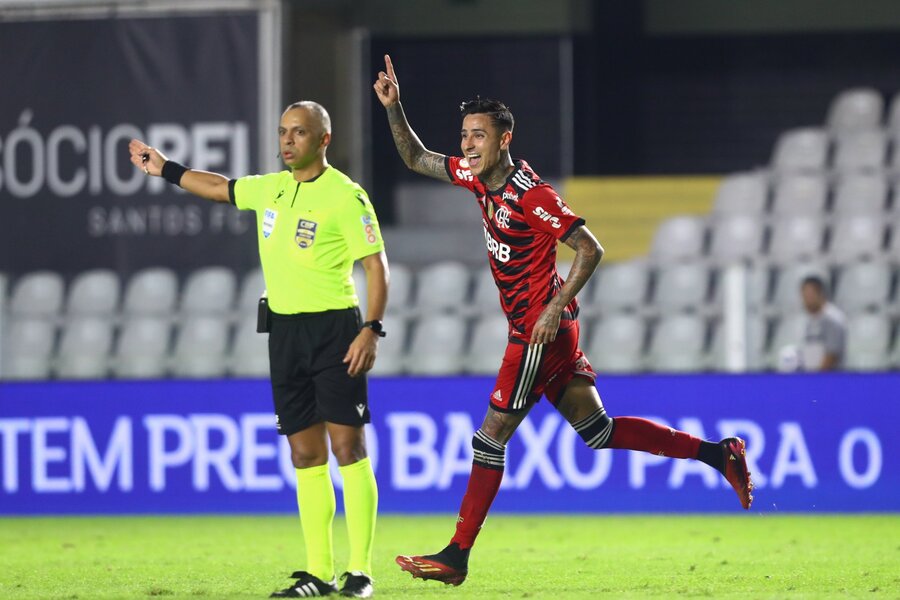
(736, 238)
(38, 294)
(28, 348)
(249, 355)
(437, 345)
(681, 287)
(485, 295)
(796, 237)
(152, 291)
(860, 193)
(755, 344)
(855, 109)
(857, 236)
(863, 286)
(617, 343)
(742, 193)
(252, 286)
(803, 194)
(678, 238)
(868, 335)
(85, 347)
(802, 149)
(399, 288)
(392, 349)
(95, 292)
(677, 344)
(209, 290)
(757, 287)
(861, 151)
(787, 334)
(362, 287)
(489, 339)
(786, 285)
(620, 286)
(200, 347)
(893, 117)
(442, 287)
(142, 348)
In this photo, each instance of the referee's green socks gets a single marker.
(360, 508)
(315, 497)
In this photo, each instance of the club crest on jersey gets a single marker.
(501, 217)
(306, 233)
(268, 222)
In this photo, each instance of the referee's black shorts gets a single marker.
(310, 383)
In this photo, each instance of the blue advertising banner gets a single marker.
(815, 443)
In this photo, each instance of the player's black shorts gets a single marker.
(310, 383)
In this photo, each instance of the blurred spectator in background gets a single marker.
(825, 330)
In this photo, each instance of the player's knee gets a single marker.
(304, 458)
(487, 452)
(595, 429)
(348, 451)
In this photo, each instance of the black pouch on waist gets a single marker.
(263, 316)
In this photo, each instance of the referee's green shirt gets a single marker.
(309, 235)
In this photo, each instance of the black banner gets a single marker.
(75, 93)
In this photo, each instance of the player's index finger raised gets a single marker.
(390, 67)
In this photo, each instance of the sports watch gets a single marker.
(376, 326)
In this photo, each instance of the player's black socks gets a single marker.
(453, 556)
(711, 454)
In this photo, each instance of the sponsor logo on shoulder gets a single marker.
(511, 196)
(368, 229)
(463, 172)
(543, 215)
(268, 222)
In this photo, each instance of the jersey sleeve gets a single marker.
(359, 226)
(459, 172)
(248, 192)
(545, 211)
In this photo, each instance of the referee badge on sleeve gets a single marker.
(306, 233)
(268, 222)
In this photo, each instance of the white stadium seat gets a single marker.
(855, 109)
(95, 292)
(489, 340)
(209, 290)
(151, 291)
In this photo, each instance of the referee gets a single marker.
(313, 223)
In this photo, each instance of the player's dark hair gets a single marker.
(500, 115)
(817, 281)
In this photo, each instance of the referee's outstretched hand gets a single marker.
(387, 88)
(148, 159)
(361, 355)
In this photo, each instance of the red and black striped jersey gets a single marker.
(523, 221)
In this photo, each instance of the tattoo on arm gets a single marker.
(588, 252)
(411, 149)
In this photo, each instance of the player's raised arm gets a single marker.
(211, 186)
(411, 150)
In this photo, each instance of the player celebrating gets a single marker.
(523, 218)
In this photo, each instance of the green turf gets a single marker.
(748, 556)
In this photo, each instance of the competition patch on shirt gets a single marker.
(306, 233)
(268, 223)
(368, 229)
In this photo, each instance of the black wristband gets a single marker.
(172, 172)
(376, 326)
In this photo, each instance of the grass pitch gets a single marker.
(532, 556)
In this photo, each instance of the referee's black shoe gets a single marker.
(357, 585)
(307, 586)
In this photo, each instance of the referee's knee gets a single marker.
(347, 452)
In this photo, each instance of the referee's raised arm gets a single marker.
(211, 186)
